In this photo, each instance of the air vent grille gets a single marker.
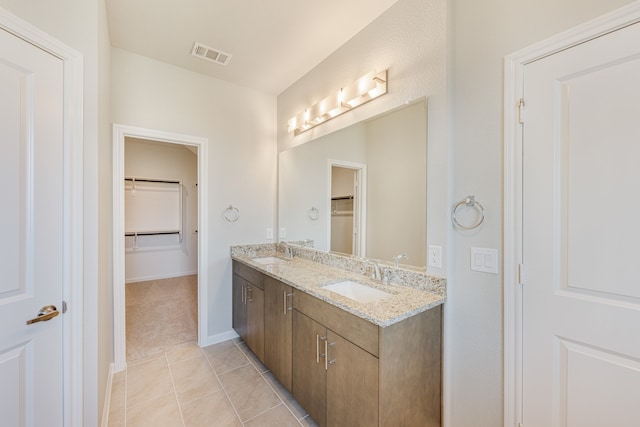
(210, 54)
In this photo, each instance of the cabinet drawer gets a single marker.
(249, 274)
(360, 332)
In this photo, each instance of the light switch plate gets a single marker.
(484, 260)
(435, 256)
(283, 232)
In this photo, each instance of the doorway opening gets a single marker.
(346, 207)
(161, 246)
(159, 242)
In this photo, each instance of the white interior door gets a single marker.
(31, 225)
(581, 235)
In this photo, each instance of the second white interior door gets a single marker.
(581, 298)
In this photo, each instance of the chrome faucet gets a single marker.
(397, 258)
(375, 269)
(288, 252)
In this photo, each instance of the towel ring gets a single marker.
(471, 202)
(313, 213)
(231, 214)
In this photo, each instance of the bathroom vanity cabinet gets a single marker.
(362, 374)
(333, 379)
(248, 307)
(343, 369)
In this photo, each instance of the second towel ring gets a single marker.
(471, 202)
(231, 214)
(313, 213)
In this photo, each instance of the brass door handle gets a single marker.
(47, 312)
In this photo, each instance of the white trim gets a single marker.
(119, 134)
(221, 337)
(361, 202)
(513, 92)
(159, 277)
(73, 69)
(107, 398)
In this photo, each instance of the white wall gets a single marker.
(483, 33)
(240, 126)
(80, 24)
(159, 257)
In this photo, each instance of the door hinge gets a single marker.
(64, 307)
(521, 111)
(520, 274)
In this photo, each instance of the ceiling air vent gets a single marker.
(210, 54)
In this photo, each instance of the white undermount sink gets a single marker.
(269, 260)
(357, 291)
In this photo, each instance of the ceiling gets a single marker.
(273, 43)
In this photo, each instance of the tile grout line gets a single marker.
(147, 399)
(175, 392)
(262, 374)
(224, 390)
(265, 411)
(281, 399)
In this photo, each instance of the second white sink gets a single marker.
(357, 291)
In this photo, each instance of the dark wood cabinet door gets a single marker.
(239, 307)
(309, 385)
(352, 384)
(278, 330)
(255, 320)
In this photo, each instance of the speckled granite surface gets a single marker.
(309, 270)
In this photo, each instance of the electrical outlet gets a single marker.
(270, 233)
(435, 256)
(283, 233)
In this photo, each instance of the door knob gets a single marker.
(47, 312)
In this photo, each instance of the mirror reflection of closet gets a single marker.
(345, 212)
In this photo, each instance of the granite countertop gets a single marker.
(309, 277)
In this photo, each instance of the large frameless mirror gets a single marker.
(361, 190)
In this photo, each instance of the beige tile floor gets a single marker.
(172, 382)
(189, 386)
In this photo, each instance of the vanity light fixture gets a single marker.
(363, 90)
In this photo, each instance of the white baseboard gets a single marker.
(159, 277)
(221, 337)
(107, 397)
